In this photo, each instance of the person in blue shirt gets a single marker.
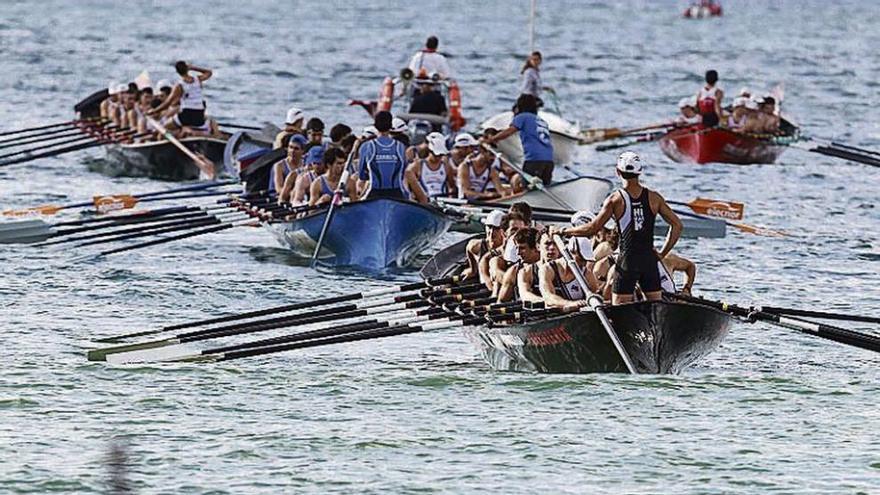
(534, 134)
(382, 164)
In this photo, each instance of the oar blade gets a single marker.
(102, 354)
(730, 210)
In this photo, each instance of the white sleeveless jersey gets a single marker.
(667, 284)
(191, 99)
(433, 181)
(478, 183)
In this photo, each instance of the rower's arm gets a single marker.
(548, 292)
(508, 285)
(450, 177)
(289, 183)
(412, 182)
(485, 277)
(315, 194)
(278, 173)
(719, 95)
(473, 268)
(496, 181)
(524, 285)
(675, 263)
(299, 190)
(675, 225)
(172, 99)
(204, 74)
(464, 182)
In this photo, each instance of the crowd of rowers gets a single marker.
(749, 113)
(519, 260)
(179, 106)
(387, 163)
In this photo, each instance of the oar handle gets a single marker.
(532, 181)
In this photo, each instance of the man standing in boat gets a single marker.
(634, 208)
(428, 60)
(382, 164)
(534, 134)
(188, 92)
(709, 100)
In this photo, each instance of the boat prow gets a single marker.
(715, 145)
(660, 337)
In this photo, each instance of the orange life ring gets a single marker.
(386, 96)
(456, 120)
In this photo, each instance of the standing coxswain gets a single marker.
(534, 134)
(188, 94)
(709, 100)
(634, 208)
(428, 60)
(382, 166)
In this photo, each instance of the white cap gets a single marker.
(121, 88)
(751, 104)
(740, 101)
(464, 139)
(494, 218)
(370, 131)
(437, 143)
(581, 218)
(744, 91)
(582, 246)
(293, 115)
(163, 83)
(629, 162)
(113, 87)
(758, 99)
(690, 101)
(398, 125)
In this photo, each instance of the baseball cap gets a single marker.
(398, 125)
(299, 138)
(581, 217)
(163, 83)
(751, 104)
(314, 155)
(369, 131)
(494, 218)
(464, 139)
(293, 115)
(690, 101)
(740, 101)
(113, 88)
(629, 162)
(437, 143)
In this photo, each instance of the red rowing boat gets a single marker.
(700, 145)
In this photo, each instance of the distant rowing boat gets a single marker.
(660, 337)
(372, 235)
(716, 145)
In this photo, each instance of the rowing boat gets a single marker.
(660, 337)
(564, 135)
(153, 159)
(699, 145)
(371, 235)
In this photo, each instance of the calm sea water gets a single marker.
(770, 412)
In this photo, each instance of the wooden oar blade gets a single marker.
(105, 204)
(730, 210)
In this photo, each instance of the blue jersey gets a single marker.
(383, 163)
(535, 137)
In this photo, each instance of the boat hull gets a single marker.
(660, 337)
(563, 134)
(692, 145)
(161, 159)
(371, 235)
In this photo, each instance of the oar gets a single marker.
(173, 226)
(90, 143)
(41, 138)
(80, 138)
(836, 334)
(239, 126)
(337, 198)
(205, 165)
(823, 315)
(37, 135)
(589, 136)
(127, 199)
(42, 127)
(394, 304)
(596, 304)
(532, 181)
(647, 138)
(836, 150)
(438, 282)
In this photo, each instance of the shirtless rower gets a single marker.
(324, 187)
(188, 94)
(137, 115)
(293, 124)
(634, 208)
(314, 166)
(110, 105)
(434, 173)
(526, 240)
(289, 165)
(494, 225)
(475, 174)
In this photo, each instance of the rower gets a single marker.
(314, 166)
(322, 190)
(492, 267)
(508, 175)
(671, 264)
(434, 173)
(516, 283)
(428, 60)
(382, 163)
(164, 88)
(188, 93)
(475, 174)
(689, 114)
(737, 119)
(769, 119)
(709, 100)
(754, 123)
(314, 133)
(560, 287)
(463, 146)
(292, 125)
(634, 208)
(398, 131)
(339, 132)
(110, 105)
(287, 166)
(534, 134)
(139, 112)
(494, 225)
(126, 112)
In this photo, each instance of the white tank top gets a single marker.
(667, 284)
(191, 99)
(478, 183)
(433, 181)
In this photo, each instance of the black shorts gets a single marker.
(386, 193)
(541, 170)
(647, 277)
(710, 119)
(190, 117)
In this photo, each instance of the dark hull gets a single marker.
(370, 235)
(692, 145)
(660, 337)
(160, 160)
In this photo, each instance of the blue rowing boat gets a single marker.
(371, 235)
